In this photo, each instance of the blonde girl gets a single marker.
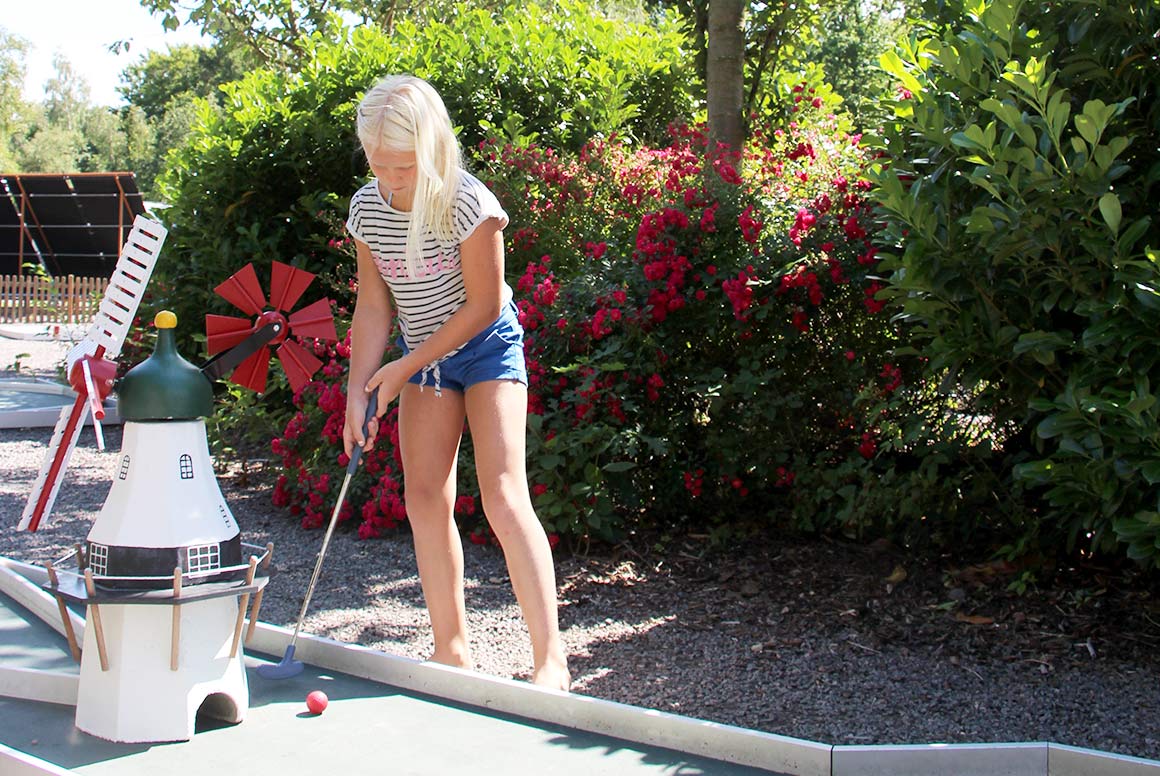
(430, 251)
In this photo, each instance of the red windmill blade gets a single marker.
(270, 327)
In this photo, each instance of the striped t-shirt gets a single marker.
(424, 303)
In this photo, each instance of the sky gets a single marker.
(83, 30)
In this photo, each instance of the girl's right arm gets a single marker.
(370, 332)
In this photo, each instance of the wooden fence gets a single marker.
(34, 299)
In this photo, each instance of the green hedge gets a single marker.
(1020, 192)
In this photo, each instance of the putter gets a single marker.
(288, 666)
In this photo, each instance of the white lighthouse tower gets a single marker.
(165, 580)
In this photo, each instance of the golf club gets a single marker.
(288, 666)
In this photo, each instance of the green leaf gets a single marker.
(1058, 112)
(1132, 234)
(1148, 297)
(1012, 117)
(1051, 426)
(1151, 472)
(1037, 471)
(1079, 28)
(1111, 211)
(1087, 128)
(893, 64)
(1022, 82)
(1117, 145)
(973, 138)
(1141, 404)
(980, 222)
(619, 466)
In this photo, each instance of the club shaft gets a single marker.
(321, 555)
(352, 467)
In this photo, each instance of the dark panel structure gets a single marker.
(66, 223)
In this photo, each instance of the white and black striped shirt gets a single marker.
(424, 303)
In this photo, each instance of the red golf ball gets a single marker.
(316, 701)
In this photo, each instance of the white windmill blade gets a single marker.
(104, 339)
(126, 288)
(60, 447)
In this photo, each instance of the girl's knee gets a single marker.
(508, 510)
(427, 493)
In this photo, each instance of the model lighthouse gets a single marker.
(164, 576)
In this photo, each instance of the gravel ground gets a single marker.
(835, 643)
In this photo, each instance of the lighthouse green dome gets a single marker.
(164, 386)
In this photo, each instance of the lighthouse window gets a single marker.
(205, 557)
(124, 468)
(186, 465)
(98, 558)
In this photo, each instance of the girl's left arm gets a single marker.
(481, 255)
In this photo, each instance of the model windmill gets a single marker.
(163, 571)
(241, 347)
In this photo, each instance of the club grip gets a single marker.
(372, 408)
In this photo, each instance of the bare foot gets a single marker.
(553, 675)
(455, 660)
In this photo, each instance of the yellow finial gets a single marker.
(165, 320)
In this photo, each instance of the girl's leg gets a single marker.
(497, 413)
(430, 428)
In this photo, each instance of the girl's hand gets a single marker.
(390, 380)
(352, 429)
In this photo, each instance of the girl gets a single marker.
(430, 247)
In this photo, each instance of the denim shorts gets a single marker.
(496, 353)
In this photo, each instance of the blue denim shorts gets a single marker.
(496, 353)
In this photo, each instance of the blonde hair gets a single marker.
(405, 114)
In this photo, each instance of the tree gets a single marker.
(725, 73)
(44, 146)
(1018, 191)
(768, 38)
(159, 80)
(66, 133)
(45, 137)
(66, 95)
(777, 39)
(851, 35)
(50, 137)
(274, 30)
(163, 90)
(13, 109)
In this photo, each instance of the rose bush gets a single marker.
(705, 342)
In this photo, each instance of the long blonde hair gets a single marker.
(404, 113)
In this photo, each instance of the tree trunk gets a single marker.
(725, 74)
